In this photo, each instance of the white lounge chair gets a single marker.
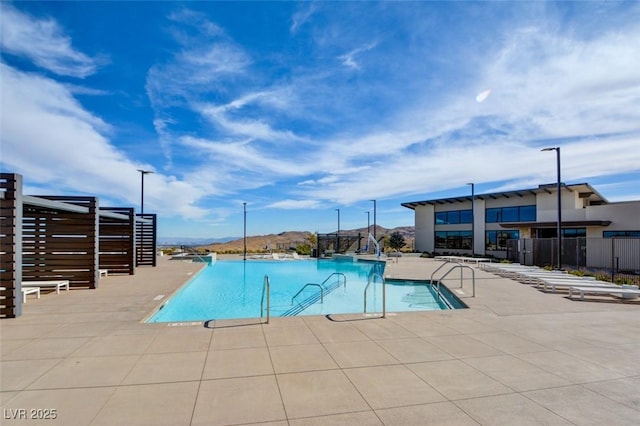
(30, 290)
(57, 284)
(555, 284)
(103, 272)
(624, 292)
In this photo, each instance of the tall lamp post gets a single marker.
(473, 232)
(142, 173)
(244, 211)
(368, 231)
(338, 233)
(374, 220)
(559, 224)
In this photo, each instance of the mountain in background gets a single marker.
(289, 239)
(179, 241)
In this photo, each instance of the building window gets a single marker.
(453, 217)
(497, 240)
(453, 240)
(511, 214)
(574, 232)
(617, 234)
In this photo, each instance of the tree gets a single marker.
(396, 241)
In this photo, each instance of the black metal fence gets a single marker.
(616, 258)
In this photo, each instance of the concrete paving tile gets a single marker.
(362, 418)
(516, 373)
(391, 386)
(48, 348)
(512, 409)
(328, 332)
(17, 375)
(237, 339)
(86, 372)
(237, 363)
(468, 326)
(239, 400)
(5, 397)
(625, 391)
(180, 342)
(298, 358)
(421, 326)
(378, 329)
(80, 330)
(583, 406)
(508, 342)
(621, 360)
(22, 330)
(359, 354)
(440, 413)
(294, 335)
(9, 346)
(456, 380)
(461, 346)
(171, 367)
(157, 404)
(115, 345)
(72, 406)
(319, 393)
(414, 349)
(569, 367)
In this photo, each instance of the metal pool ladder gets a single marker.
(266, 289)
(384, 293)
(455, 266)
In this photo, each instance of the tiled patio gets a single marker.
(517, 356)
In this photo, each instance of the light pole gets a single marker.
(473, 232)
(368, 231)
(559, 224)
(338, 233)
(374, 220)
(244, 211)
(142, 173)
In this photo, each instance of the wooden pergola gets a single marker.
(65, 238)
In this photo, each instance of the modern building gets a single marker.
(482, 224)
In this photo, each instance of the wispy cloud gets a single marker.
(349, 59)
(43, 42)
(294, 204)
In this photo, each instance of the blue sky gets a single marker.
(299, 109)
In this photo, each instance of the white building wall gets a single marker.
(424, 228)
(624, 216)
(572, 206)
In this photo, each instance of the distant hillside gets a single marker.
(286, 240)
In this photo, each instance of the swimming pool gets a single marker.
(230, 289)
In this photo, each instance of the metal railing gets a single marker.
(307, 285)
(457, 266)
(384, 291)
(266, 289)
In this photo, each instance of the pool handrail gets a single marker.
(265, 286)
(344, 277)
(473, 279)
(384, 290)
(307, 285)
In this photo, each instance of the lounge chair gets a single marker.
(57, 284)
(568, 283)
(626, 292)
(103, 272)
(30, 290)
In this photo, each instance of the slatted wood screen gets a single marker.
(10, 245)
(60, 244)
(117, 241)
(146, 240)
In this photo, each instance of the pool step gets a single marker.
(314, 298)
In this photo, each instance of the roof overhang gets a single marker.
(565, 224)
(584, 191)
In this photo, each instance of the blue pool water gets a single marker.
(233, 289)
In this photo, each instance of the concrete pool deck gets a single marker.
(517, 356)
